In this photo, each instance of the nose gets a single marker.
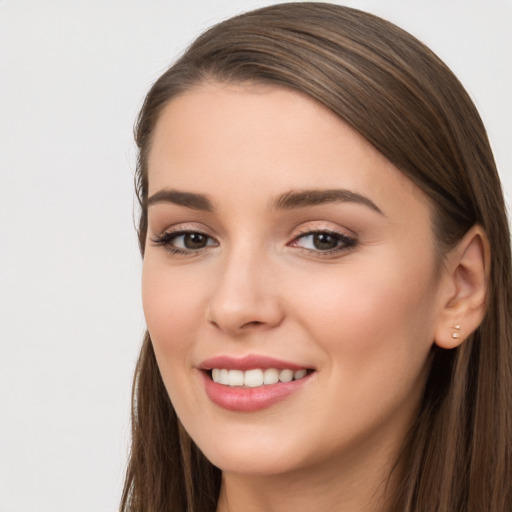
(245, 297)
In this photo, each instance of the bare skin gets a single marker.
(346, 285)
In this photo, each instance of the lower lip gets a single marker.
(250, 399)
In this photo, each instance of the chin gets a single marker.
(253, 465)
(252, 456)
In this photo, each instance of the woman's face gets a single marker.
(282, 245)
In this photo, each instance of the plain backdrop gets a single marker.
(72, 77)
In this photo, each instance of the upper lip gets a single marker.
(249, 362)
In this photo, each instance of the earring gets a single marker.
(456, 334)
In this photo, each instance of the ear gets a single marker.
(467, 275)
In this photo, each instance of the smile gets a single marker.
(255, 377)
(252, 382)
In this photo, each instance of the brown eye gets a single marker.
(184, 242)
(194, 241)
(325, 241)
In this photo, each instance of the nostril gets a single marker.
(243, 315)
(254, 323)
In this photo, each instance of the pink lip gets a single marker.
(249, 399)
(248, 362)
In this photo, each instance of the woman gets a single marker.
(326, 277)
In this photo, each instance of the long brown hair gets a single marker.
(409, 105)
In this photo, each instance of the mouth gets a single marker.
(253, 382)
(255, 377)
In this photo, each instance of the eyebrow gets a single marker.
(288, 201)
(304, 198)
(187, 199)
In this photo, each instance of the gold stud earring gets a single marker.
(456, 334)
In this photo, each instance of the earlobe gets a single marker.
(467, 268)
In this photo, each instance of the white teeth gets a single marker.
(256, 377)
(271, 376)
(299, 374)
(236, 378)
(286, 375)
(253, 378)
(224, 377)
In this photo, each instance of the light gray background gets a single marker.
(72, 77)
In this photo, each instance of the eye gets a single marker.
(326, 242)
(191, 241)
(184, 242)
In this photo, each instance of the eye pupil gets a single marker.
(195, 241)
(324, 241)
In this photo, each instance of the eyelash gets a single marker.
(344, 242)
(166, 238)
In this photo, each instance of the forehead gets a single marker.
(252, 137)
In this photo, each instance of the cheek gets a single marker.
(376, 338)
(173, 307)
(172, 302)
(375, 318)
